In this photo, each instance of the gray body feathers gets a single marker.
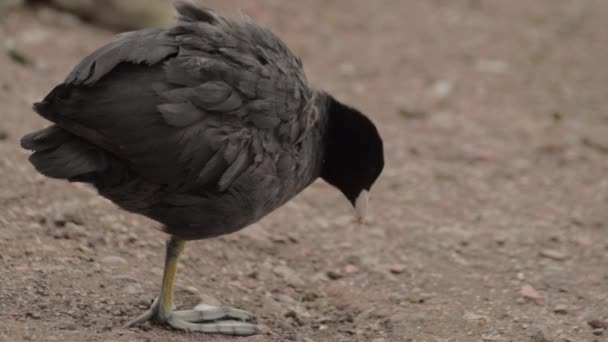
(205, 127)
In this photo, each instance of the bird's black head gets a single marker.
(354, 156)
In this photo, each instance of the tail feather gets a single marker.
(60, 154)
(44, 139)
(56, 97)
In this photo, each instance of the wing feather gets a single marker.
(195, 106)
(148, 46)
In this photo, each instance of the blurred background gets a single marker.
(490, 221)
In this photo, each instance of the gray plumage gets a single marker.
(205, 127)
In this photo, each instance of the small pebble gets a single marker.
(553, 254)
(530, 293)
(500, 240)
(113, 260)
(350, 269)
(598, 324)
(542, 335)
(34, 315)
(133, 289)
(397, 269)
(190, 290)
(334, 275)
(145, 300)
(442, 88)
(561, 309)
(124, 278)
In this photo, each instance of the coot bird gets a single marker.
(205, 127)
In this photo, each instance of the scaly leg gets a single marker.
(161, 311)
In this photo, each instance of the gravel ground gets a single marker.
(489, 223)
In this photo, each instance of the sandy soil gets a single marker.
(490, 222)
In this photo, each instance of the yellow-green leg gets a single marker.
(162, 312)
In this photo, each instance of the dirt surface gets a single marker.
(490, 222)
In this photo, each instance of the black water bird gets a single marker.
(205, 127)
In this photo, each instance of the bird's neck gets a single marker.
(334, 132)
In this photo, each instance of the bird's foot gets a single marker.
(218, 320)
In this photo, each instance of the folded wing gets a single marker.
(193, 107)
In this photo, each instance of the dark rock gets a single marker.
(334, 275)
(598, 324)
